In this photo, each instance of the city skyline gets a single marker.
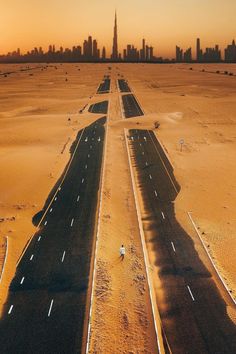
(31, 23)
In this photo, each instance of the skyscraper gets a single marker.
(198, 50)
(115, 42)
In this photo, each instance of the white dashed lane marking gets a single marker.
(173, 246)
(72, 222)
(155, 193)
(82, 181)
(45, 223)
(39, 238)
(50, 210)
(50, 308)
(63, 256)
(10, 309)
(22, 280)
(78, 198)
(163, 216)
(32, 256)
(190, 292)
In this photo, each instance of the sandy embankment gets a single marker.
(199, 107)
(35, 140)
(122, 319)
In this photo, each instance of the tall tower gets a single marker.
(198, 51)
(115, 42)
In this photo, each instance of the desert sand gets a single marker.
(35, 140)
(122, 319)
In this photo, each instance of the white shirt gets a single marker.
(122, 251)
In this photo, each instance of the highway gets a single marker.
(123, 85)
(100, 107)
(47, 306)
(104, 87)
(193, 311)
(131, 106)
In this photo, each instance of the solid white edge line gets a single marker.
(146, 261)
(97, 236)
(50, 308)
(209, 256)
(10, 309)
(190, 292)
(5, 260)
(54, 196)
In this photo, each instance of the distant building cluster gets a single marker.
(89, 52)
(210, 55)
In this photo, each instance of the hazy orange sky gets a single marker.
(164, 23)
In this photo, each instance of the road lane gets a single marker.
(58, 267)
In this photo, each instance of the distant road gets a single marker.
(45, 311)
(123, 85)
(131, 106)
(193, 312)
(104, 87)
(100, 107)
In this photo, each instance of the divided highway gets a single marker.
(193, 312)
(47, 306)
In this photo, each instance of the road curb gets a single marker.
(5, 260)
(211, 260)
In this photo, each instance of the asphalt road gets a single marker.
(193, 312)
(123, 85)
(46, 309)
(100, 107)
(131, 106)
(104, 87)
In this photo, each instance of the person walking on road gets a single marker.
(122, 252)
